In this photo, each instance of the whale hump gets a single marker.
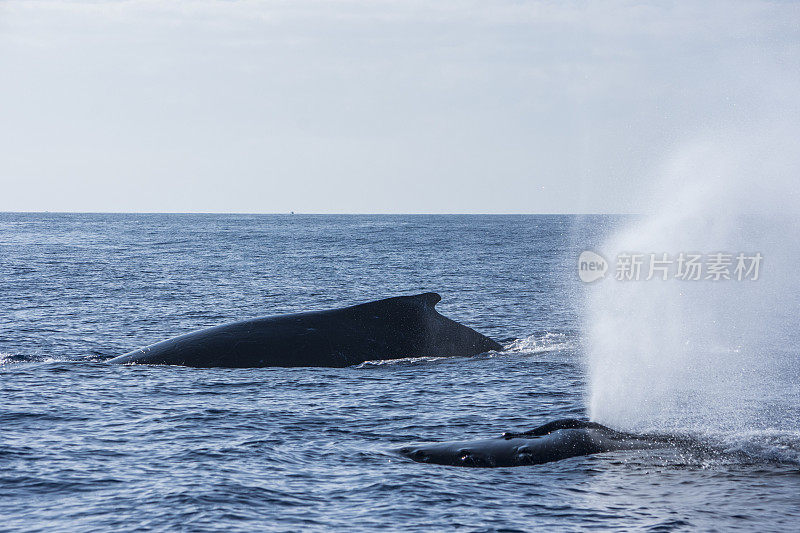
(392, 328)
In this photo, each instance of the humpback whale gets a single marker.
(394, 328)
(554, 441)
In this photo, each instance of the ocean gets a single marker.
(90, 446)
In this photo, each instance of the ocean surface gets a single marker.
(90, 446)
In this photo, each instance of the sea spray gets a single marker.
(716, 356)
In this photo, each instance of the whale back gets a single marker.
(403, 326)
(555, 441)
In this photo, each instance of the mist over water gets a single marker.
(716, 357)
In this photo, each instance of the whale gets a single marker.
(392, 328)
(554, 441)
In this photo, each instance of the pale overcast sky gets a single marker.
(379, 106)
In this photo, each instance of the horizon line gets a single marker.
(293, 213)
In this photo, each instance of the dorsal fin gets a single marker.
(424, 300)
(430, 298)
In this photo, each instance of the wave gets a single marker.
(10, 358)
(767, 446)
(402, 361)
(540, 343)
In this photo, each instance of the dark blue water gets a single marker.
(90, 446)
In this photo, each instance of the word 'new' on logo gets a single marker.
(591, 266)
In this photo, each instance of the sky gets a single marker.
(377, 107)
